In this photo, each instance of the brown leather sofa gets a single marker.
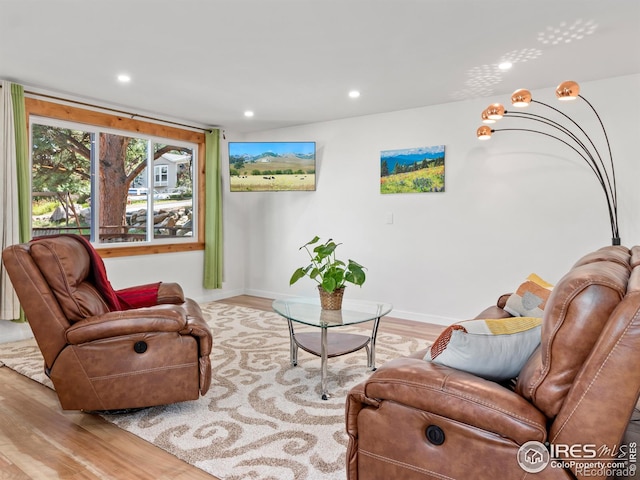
(100, 357)
(578, 389)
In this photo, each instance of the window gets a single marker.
(161, 175)
(94, 181)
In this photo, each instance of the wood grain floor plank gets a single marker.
(38, 440)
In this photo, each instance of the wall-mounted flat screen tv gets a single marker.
(272, 166)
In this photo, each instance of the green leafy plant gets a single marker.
(326, 269)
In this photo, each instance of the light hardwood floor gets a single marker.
(40, 441)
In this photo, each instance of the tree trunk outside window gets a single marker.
(114, 181)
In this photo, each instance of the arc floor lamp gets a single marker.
(567, 131)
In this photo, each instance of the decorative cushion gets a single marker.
(530, 298)
(495, 349)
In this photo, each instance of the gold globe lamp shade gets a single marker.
(495, 111)
(485, 117)
(484, 133)
(521, 98)
(568, 90)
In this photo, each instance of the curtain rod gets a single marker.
(132, 115)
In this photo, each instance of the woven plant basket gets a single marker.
(331, 301)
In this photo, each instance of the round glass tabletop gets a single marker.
(309, 312)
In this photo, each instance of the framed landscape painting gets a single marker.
(272, 166)
(412, 170)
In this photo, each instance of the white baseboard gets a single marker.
(219, 295)
(423, 317)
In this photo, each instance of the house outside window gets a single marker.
(91, 180)
(160, 175)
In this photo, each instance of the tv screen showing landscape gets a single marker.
(272, 166)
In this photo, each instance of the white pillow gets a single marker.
(495, 349)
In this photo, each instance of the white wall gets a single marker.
(514, 205)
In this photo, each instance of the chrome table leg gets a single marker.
(293, 346)
(323, 363)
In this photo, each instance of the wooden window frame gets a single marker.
(70, 113)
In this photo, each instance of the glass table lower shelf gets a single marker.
(324, 343)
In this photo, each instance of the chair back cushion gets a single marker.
(575, 314)
(64, 263)
(602, 398)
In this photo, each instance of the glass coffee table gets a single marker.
(323, 344)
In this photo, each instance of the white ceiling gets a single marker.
(292, 62)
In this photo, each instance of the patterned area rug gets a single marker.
(262, 419)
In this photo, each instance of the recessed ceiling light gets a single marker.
(248, 113)
(505, 65)
(124, 78)
(354, 94)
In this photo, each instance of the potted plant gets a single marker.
(330, 273)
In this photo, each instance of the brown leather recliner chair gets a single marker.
(578, 390)
(101, 355)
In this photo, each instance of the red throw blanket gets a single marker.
(125, 299)
(138, 296)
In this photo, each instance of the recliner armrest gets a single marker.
(497, 310)
(197, 327)
(169, 292)
(456, 395)
(502, 300)
(127, 322)
(151, 294)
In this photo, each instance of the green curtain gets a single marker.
(22, 162)
(22, 169)
(213, 258)
(16, 209)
